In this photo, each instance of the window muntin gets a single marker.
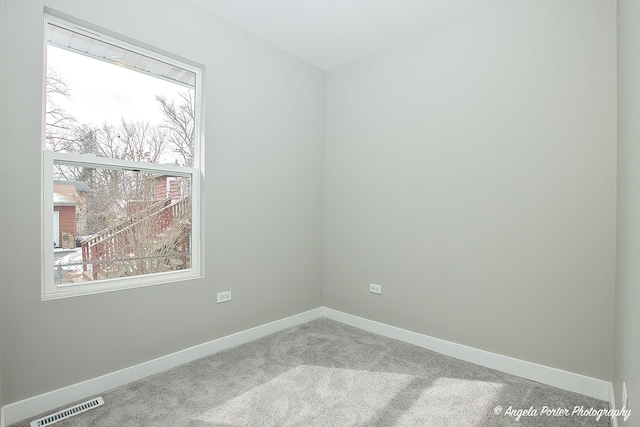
(126, 192)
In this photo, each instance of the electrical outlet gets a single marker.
(375, 289)
(224, 296)
(625, 397)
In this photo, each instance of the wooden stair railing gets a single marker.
(132, 241)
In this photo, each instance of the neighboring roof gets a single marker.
(67, 194)
(86, 43)
(80, 186)
(63, 200)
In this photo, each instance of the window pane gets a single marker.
(109, 101)
(114, 223)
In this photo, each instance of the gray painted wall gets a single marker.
(471, 171)
(3, 178)
(627, 337)
(263, 185)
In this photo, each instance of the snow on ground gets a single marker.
(68, 268)
(72, 257)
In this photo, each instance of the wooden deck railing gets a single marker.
(134, 241)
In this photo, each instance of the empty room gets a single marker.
(305, 213)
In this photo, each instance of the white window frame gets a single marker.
(51, 290)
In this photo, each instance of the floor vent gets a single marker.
(66, 413)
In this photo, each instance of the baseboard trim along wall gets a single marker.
(33, 406)
(612, 405)
(551, 376)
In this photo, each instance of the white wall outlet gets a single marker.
(224, 296)
(625, 397)
(375, 289)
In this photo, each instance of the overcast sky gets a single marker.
(101, 91)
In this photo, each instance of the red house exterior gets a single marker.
(65, 222)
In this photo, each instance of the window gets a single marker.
(121, 160)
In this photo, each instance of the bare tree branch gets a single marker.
(180, 125)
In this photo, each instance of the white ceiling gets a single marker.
(329, 33)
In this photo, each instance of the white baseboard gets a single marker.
(577, 383)
(33, 406)
(551, 376)
(612, 405)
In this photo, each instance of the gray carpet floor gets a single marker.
(325, 373)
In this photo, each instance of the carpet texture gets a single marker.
(325, 373)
